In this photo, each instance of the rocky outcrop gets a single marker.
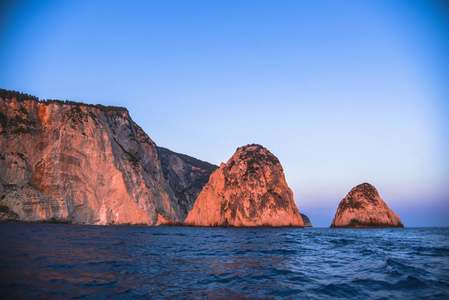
(249, 190)
(306, 220)
(364, 208)
(186, 177)
(6, 215)
(78, 163)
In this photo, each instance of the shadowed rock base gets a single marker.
(6, 215)
(373, 224)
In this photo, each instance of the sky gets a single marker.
(342, 92)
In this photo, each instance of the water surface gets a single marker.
(76, 261)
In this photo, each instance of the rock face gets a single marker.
(186, 177)
(6, 215)
(249, 190)
(306, 220)
(364, 208)
(78, 163)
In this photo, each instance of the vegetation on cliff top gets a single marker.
(7, 94)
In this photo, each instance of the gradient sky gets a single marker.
(342, 92)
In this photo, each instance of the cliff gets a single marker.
(78, 163)
(249, 190)
(364, 208)
(186, 177)
(306, 220)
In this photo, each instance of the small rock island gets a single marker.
(363, 208)
(248, 191)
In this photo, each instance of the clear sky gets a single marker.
(342, 92)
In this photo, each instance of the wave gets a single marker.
(196, 263)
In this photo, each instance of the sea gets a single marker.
(63, 261)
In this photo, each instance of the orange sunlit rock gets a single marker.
(86, 164)
(249, 190)
(363, 207)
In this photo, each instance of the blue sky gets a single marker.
(342, 92)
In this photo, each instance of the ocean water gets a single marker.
(57, 261)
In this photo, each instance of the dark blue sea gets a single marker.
(57, 261)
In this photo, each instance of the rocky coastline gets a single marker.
(77, 163)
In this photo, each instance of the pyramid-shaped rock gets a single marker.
(249, 190)
(363, 207)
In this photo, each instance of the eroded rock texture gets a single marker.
(77, 163)
(363, 207)
(249, 190)
(186, 177)
(6, 215)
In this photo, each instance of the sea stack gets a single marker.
(248, 191)
(363, 208)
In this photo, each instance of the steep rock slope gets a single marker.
(71, 162)
(186, 177)
(249, 190)
(363, 207)
(306, 220)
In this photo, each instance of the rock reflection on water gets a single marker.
(69, 261)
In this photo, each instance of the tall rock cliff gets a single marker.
(363, 207)
(77, 163)
(249, 190)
